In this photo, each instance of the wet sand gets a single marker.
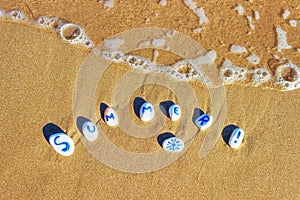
(37, 79)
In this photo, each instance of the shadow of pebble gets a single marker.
(164, 107)
(103, 106)
(227, 131)
(163, 137)
(50, 129)
(137, 104)
(197, 113)
(80, 121)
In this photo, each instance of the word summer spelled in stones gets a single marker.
(64, 145)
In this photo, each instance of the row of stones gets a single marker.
(64, 145)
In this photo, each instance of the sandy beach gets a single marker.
(39, 71)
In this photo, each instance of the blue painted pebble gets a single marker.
(62, 144)
(236, 138)
(204, 121)
(147, 112)
(173, 144)
(110, 117)
(90, 131)
(174, 112)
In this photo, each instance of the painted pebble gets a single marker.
(110, 117)
(90, 131)
(173, 144)
(236, 138)
(174, 112)
(147, 112)
(204, 121)
(62, 144)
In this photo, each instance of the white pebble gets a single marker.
(62, 144)
(147, 112)
(174, 112)
(204, 121)
(90, 131)
(110, 117)
(236, 138)
(173, 144)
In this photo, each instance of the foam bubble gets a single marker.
(256, 15)
(285, 14)
(293, 22)
(52, 23)
(112, 55)
(230, 73)
(198, 11)
(2, 13)
(155, 55)
(288, 76)
(197, 30)
(157, 42)
(238, 49)
(16, 15)
(240, 10)
(107, 3)
(254, 59)
(281, 40)
(250, 22)
(74, 34)
(170, 33)
(260, 76)
(69, 32)
(144, 43)
(137, 62)
(114, 43)
(182, 70)
(163, 2)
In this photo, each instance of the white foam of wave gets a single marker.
(184, 70)
(76, 36)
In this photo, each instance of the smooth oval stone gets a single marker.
(62, 144)
(174, 112)
(173, 144)
(90, 131)
(236, 138)
(110, 117)
(204, 121)
(147, 112)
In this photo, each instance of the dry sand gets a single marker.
(38, 70)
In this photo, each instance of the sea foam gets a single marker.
(69, 32)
